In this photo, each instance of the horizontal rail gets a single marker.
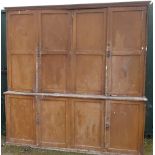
(125, 98)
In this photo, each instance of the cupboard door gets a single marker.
(53, 122)
(88, 124)
(21, 46)
(89, 45)
(20, 119)
(55, 47)
(126, 126)
(127, 46)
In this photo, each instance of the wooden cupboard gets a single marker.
(76, 77)
(76, 122)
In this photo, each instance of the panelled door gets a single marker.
(126, 126)
(54, 123)
(72, 123)
(55, 45)
(21, 119)
(72, 47)
(126, 48)
(87, 124)
(89, 48)
(21, 50)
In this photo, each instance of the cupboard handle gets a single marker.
(107, 125)
(108, 54)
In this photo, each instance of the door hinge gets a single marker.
(107, 125)
(37, 121)
(108, 53)
(38, 50)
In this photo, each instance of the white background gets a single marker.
(8, 3)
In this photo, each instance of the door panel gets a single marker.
(127, 44)
(54, 73)
(125, 125)
(126, 75)
(22, 72)
(89, 74)
(55, 30)
(53, 124)
(21, 46)
(90, 30)
(88, 120)
(126, 30)
(89, 45)
(22, 28)
(20, 119)
(55, 47)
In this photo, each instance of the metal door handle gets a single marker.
(107, 125)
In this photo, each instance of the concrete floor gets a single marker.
(18, 150)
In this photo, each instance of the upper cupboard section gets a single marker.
(90, 51)
(73, 47)
(127, 47)
(22, 40)
(55, 41)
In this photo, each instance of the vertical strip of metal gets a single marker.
(106, 59)
(144, 45)
(108, 81)
(108, 54)
(107, 123)
(69, 71)
(38, 66)
(37, 58)
(71, 102)
(102, 123)
(103, 84)
(72, 53)
(69, 88)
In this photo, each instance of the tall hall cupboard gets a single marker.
(76, 77)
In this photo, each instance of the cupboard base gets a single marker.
(96, 126)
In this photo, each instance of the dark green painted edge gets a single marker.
(3, 70)
(149, 75)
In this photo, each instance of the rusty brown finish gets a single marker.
(7, 111)
(141, 128)
(127, 61)
(21, 51)
(90, 51)
(55, 51)
(131, 115)
(76, 76)
(54, 129)
(20, 119)
(65, 65)
(88, 133)
(107, 124)
(71, 126)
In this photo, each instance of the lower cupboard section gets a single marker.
(78, 124)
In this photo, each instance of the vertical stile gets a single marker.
(108, 81)
(38, 72)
